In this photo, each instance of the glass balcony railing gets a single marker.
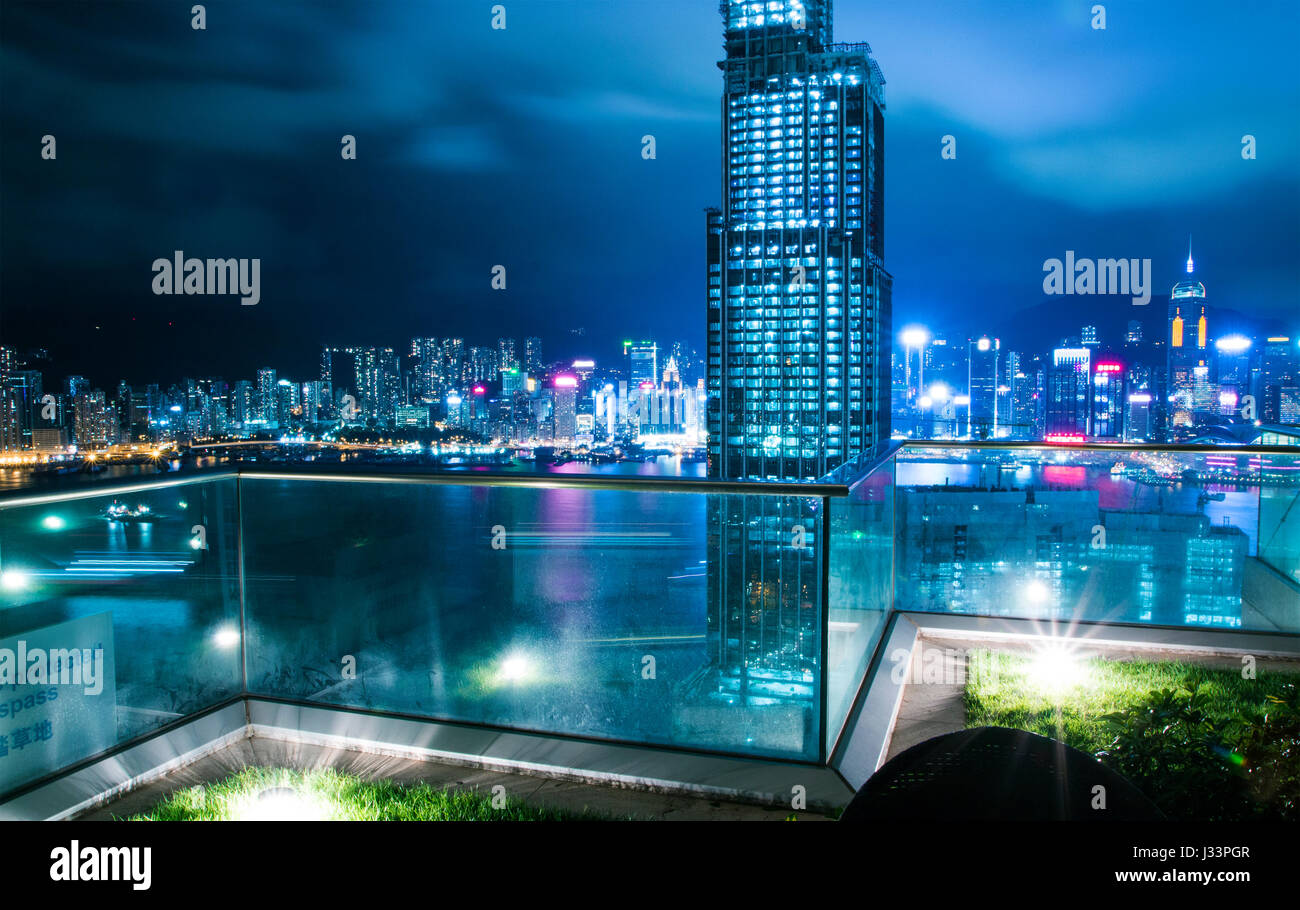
(579, 610)
(1162, 536)
(712, 617)
(119, 614)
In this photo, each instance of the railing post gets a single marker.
(239, 555)
(823, 664)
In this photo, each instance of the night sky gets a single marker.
(522, 147)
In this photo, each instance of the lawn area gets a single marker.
(1003, 690)
(1203, 743)
(269, 794)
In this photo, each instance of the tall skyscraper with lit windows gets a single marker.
(1188, 375)
(798, 297)
(799, 335)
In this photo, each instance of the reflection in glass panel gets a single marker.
(1167, 538)
(129, 577)
(861, 588)
(572, 611)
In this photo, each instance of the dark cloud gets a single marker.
(522, 147)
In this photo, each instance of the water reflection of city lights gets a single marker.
(53, 523)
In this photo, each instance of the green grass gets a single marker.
(334, 796)
(1001, 692)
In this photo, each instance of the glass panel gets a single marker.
(149, 605)
(1279, 514)
(563, 610)
(1167, 538)
(861, 588)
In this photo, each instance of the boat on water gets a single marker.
(120, 512)
(1118, 469)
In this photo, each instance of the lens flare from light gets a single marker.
(226, 637)
(1056, 668)
(516, 668)
(1036, 592)
(280, 804)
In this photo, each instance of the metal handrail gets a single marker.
(13, 499)
(1099, 446)
(614, 482)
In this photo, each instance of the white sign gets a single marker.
(58, 698)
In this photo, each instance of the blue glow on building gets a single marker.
(798, 298)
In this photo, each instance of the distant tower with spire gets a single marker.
(1188, 338)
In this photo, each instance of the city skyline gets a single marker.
(524, 139)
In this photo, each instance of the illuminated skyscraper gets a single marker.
(982, 386)
(1067, 394)
(798, 297)
(266, 382)
(1108, 400)
(533, 356)
(643, 363)
(1188, 354)
(1279, 371)
(799, 332)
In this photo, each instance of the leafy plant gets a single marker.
(1176, 752)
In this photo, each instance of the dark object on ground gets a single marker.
(997, 774)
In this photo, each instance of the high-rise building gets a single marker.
(378, 383)
(533, 356)
(642, 363)
(1232, 372)
(1139, 424)
(1188, 356)
(1068, 394)
(798, 298)
(10, 421)
(982, 386)
(266, 397)
(506, 354)
(799, 332)
(1279, 369)
(566, 398)
(1108, 400)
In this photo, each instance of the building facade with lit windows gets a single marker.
(799, 331)
(1068, 399)
(798, 297)
(982, 385)
(1108, 400)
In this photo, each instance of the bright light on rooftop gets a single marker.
(1056, 667)
(915, 336)
(280, 804)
